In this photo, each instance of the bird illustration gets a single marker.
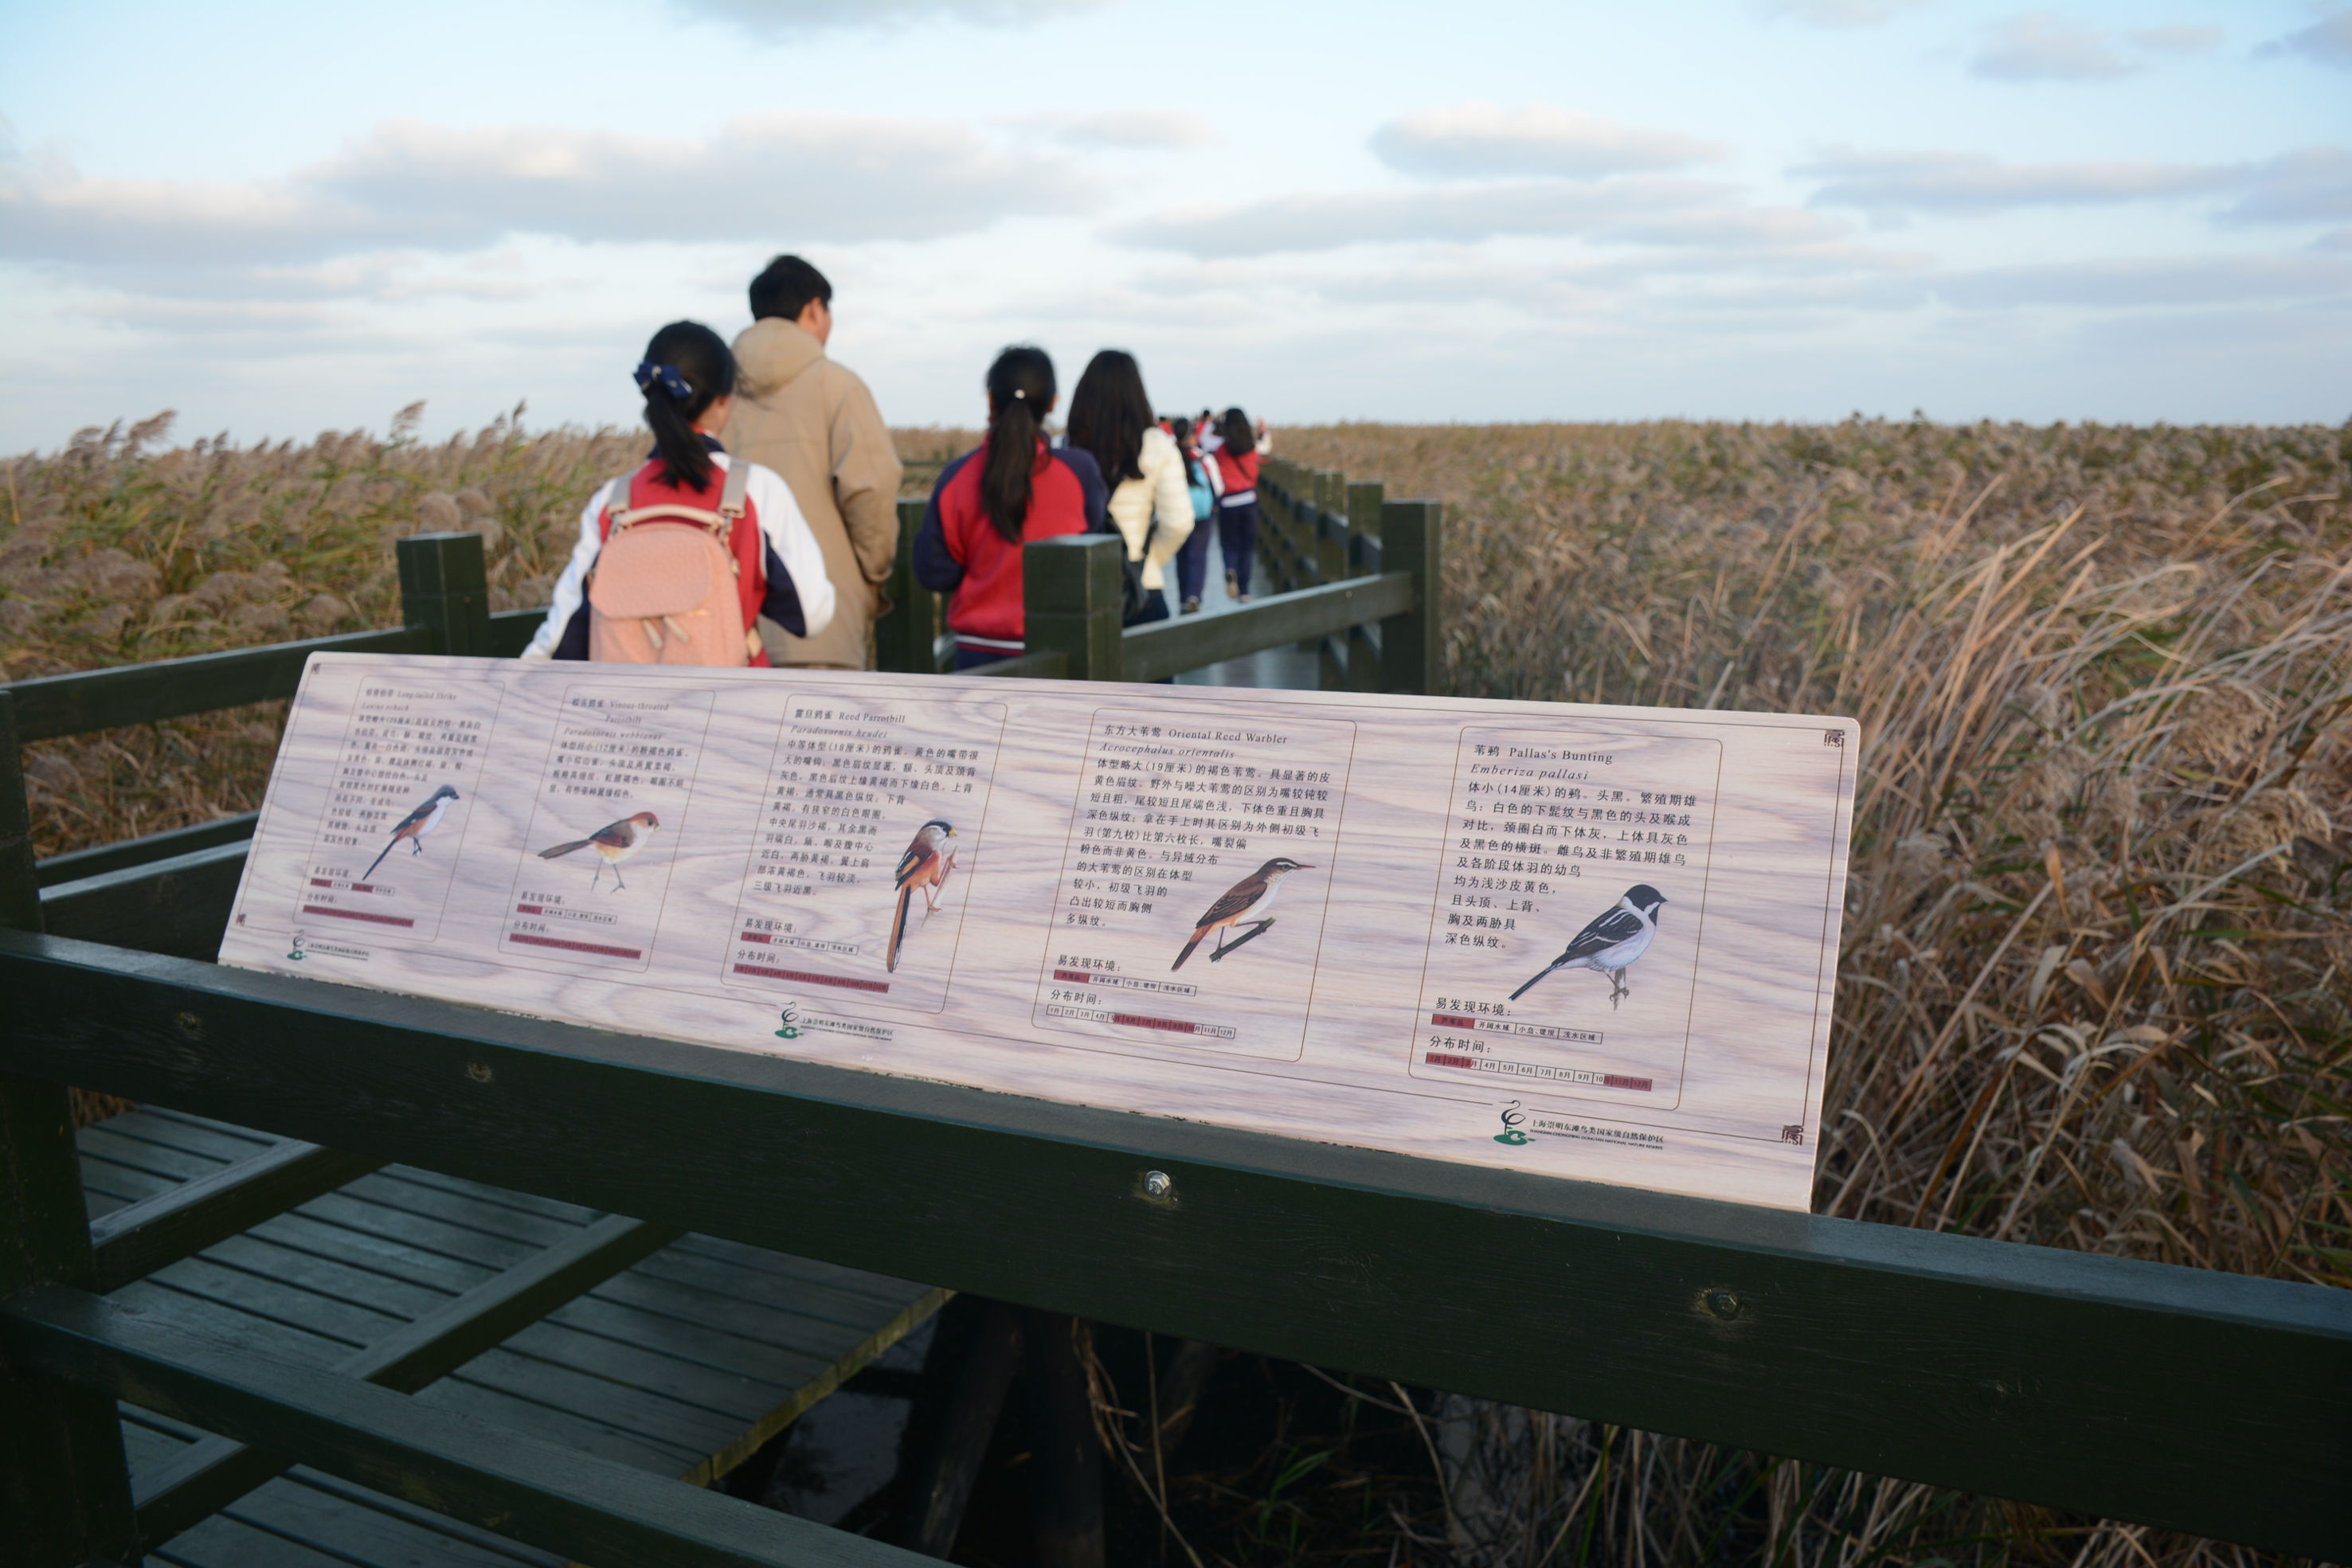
(924, 865)
(1612, 943)
(616, 841)
(1243, 903)
(415, 825)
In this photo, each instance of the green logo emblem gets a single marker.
(1512, 1117)
(297, 954)
(791, 1029)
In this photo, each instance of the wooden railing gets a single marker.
(2195, 1400)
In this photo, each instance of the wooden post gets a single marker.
(1364, 659)
(65, 1492)
(445, 588)
(1066, 1502)
(1070, 587)
(1332, 532)
(904, 636)
(1410, 541)
(952, 1467)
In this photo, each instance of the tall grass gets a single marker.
(2093, 987)
(2098, 944)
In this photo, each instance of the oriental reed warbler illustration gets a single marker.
(1244, 904)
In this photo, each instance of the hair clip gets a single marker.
(676, 385)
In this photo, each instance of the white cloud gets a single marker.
(1146, 130)
(1838, 12)
(1322, 221)
(2177, 39)
(1474, 140)
(2326, 42)
(780, 178)
(2313, 184)
(1890, 182)
(2165, 281)
(771, 19)
(2037, 46)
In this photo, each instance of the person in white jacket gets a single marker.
(1150, 503)
(688, 379)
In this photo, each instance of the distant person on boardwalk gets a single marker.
(1151, 504)
(988, 503)
(1237, 459)
(706, 544)
(812, 421)
(1202, 481)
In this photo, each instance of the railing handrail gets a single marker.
(1996, 1367)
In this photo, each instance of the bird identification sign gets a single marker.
(1581, 941)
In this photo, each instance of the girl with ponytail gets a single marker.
(990, 502)
(760, 557)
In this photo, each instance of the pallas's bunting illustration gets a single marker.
(1612, 943)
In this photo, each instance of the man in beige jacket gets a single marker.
(815, 422)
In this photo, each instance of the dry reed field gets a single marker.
(2098, 943)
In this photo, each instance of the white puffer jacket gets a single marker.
(1160, 496)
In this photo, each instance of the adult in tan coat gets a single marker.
(813, 422)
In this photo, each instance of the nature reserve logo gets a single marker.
(791, 1023)
(1512, 1119)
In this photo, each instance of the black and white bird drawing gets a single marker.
(1612, 943)
(415, 825)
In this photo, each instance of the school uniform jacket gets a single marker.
(782, 572)
(959, 551)
(1239, 471)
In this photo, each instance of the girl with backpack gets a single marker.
(990, 502)
(678, 558)
(1237, 460)
(1202, 480)
(1150, 504)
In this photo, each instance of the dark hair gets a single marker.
(1183, 434)
(687, 354)
(785, 288)
(1109, 414)
(1020, 390)
(1235, 428)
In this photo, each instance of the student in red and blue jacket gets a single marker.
(1236, 458)
(989, 503)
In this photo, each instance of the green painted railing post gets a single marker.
(1364, 659)
(904, 637)
(446, 589)
(1411, 536)
(1070, 590)
(65, 1492)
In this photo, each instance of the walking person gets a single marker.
(813, 422)
(1201, 480)
(680, 558)
(1151, 504)
(990, 502)
(1237, 460)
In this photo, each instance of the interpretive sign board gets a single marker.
(1582, 941)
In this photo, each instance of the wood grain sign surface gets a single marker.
(1583, 941)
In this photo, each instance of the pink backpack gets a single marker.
(667, 595)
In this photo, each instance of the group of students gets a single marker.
(775, 554)
(1120, 469)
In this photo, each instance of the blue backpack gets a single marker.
(1204, 500)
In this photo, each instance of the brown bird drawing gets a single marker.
(1243, 903)
(616, 841)
(924, 865)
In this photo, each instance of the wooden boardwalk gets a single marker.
(683, 1365)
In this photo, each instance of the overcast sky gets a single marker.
(279, 218)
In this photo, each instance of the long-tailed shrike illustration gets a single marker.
(616, 842)
(1244, 903)
(924, 865)
(1612, 943)
(415, 825)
